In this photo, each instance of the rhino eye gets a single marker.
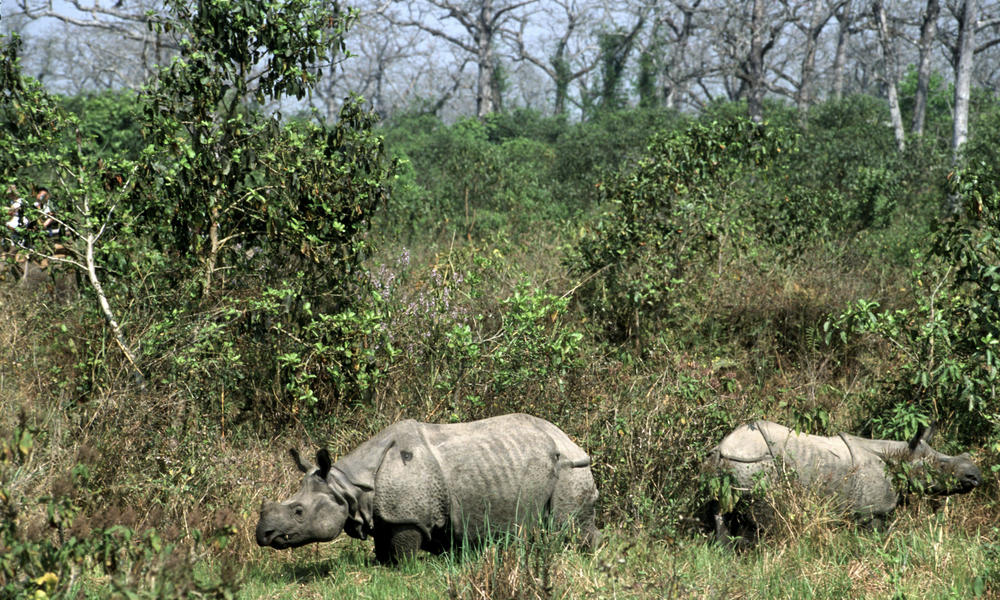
(298, 511)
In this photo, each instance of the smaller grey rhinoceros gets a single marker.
(425, 486)
(849, 469)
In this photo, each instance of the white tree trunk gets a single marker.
(90, 239)
(963, 76)
(889, 62)
(844, 20)
(755, 64)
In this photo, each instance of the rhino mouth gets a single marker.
(278, 540)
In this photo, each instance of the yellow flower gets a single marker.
(47, 582)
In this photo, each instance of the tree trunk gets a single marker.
(963, 76)
(102, 300)
(211, 260)
(804, 93)
(928, 31)
(561, 70)
(844, 19)
(485, 94)
(755, 64)
(889, 70)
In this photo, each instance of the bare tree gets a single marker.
(673, 46)
(746, 40)
(845, 21)
(121, 48)
(388, 68)
(820, 15)
(928, 35)
(482, 22)
(563, 56)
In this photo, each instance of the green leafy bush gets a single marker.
(78, 544)
(465, 343)
(947, 342)
(678, 211)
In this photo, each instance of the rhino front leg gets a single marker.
(396, 543)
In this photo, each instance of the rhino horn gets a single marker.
(298, 460)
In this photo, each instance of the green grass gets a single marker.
(922, 556)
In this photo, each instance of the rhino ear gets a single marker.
(298, 460)
(923, 435)
(324, 462)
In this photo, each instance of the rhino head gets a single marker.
(938, 473)
(316, 513)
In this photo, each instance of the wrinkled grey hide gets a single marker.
(424, 486)
(852, 470)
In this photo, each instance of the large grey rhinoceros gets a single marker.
(849, 469)
(424, 486)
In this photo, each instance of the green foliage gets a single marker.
(44, 146)
(947, 340)
(229, 176)
(615, 47)
(937, 377)
(511, 172)
(109, 121)
(460, 176)
(477, 347)
(847, 175)
(588, 152)
(43, 561)
(678, 209)
(941, 95)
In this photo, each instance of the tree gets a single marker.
(889, 71)
(569, 60)
(821, 13)
(40, 142)
(963, 57)
(122, 48)
(616, 46)
(746, 40)
(229, 205)
(221, 188)
(845, 20)
(928, 33)
(482, 21)
(672, 56)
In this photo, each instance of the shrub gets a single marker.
(678, 211)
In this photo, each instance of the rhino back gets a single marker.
(468, 478)
(498, 471)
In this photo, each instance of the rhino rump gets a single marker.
(462, 481)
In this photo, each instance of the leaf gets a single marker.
(25, 443)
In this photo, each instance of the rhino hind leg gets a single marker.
(572, 505)
(397, 543)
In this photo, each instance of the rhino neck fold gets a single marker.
(359, 503)
(850, 448)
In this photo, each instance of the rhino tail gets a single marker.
(579, 463)
(714, 457)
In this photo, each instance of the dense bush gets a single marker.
(679, 211)
(946, 339)
(509, 172)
